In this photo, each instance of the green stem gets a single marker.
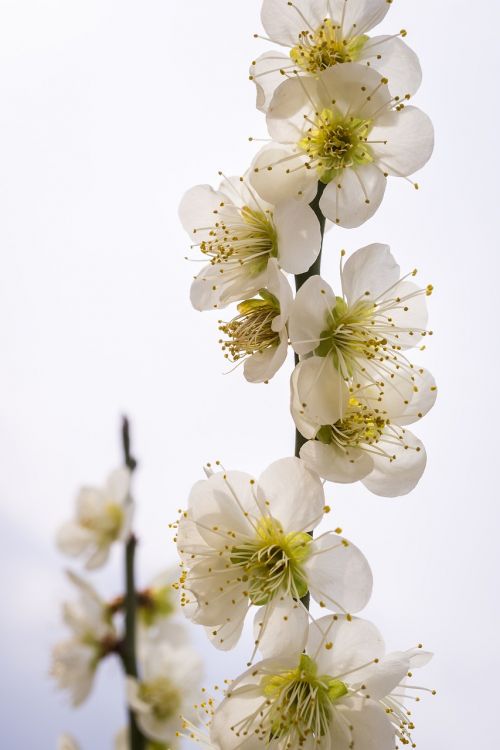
(128, 653)
(301, 279)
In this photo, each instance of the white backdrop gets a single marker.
(108, 112)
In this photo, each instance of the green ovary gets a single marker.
(335, 142)
(272, 563)
(301, 701)
(325, 47)
(162, 696)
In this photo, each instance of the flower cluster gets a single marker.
(166, 683)
(336, 103)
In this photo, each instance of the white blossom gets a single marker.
(358, 432)
(342, 130)
(343, 692)
(245, 542)
(74, 661)
(166, 691)
(322, 33)
(258, 335)
(371, 322)
(239, 233)
(103, 516)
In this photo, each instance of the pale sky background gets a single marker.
(108, 112)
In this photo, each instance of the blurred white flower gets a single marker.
(66, 742)
(365, 329)
(103, 516)
(344, 130)
(258, 334)
(158, 610)
(342, 692)
(359, 433)
(74, 661)
(122, 742)
(167, 689)
(245, 542)
(324, 33)
(239, 233)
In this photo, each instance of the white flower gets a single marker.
(343, 130)
(239, 233)
(66, 742)
(358, 432)
(324, 33)
(103, 516)
(259, 335)
(245, 542)
(364, 328)
(342, 693)
(167, 690)
(75, 660)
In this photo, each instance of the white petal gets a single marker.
(410, 314)
(294, 100)
(221, 501)
(278, 174)
(338, 574)
(419, 658)
(294, 493)
(407, 141)
(398, 63)
(98, 558)
(217, 285)
(341, 644)
(226, 636)
(299, 236)
(196, 210)
(400, 476)
(283, 23)
(354, 197)
(382, 678)
(335, 465)
(66, 742)
(279, 286)
(262, 366)
(310, 314)
(372, 728)
(356, 90)
(72, 539)
(369, 272)
(322, 392)
(305, 427)
(266, 73)
(231, 712)
(281, 627)
(423, 399)
(118, 484)
(361, 15)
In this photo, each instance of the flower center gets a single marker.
(245, 237)
(349, 335)
(320, 49)
(301, 702)
(106, 525)
(273, 562)
(334, 143)
(251, 331)
(162, 696)
(360, 426)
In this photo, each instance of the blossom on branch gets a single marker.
(258, 335)
(323, 33)
(343, 692)
(239, 233)
(345, 131)
(245, 542)
(103, 516)
(75, 660)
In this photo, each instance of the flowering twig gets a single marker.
(129, 659)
